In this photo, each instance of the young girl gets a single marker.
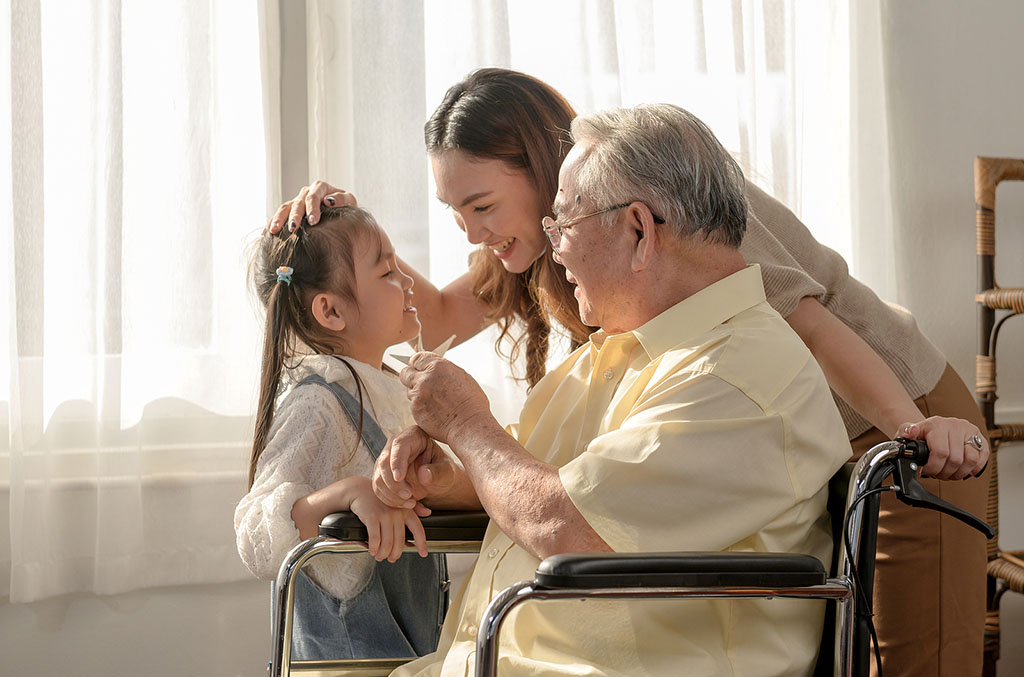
(335, 300)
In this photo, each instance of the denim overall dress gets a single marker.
(398, 613)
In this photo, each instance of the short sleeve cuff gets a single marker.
(580, 486)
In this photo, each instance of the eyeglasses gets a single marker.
(554, 230)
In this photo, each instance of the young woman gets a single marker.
(496, 142)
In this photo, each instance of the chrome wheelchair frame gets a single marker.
(854, 495)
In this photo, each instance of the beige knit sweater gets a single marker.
(795, 265)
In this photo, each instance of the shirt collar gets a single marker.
(333, 370)
(702, 311)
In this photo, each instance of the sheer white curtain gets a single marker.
(773, 79)
(145, 151)
(138, 170)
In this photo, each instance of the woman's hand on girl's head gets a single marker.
(307, 204)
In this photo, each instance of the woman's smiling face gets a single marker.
(494, 204)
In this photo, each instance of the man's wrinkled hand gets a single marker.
(444, 398)
(411, 468)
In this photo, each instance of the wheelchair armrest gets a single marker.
(691, 569)
(439, 526)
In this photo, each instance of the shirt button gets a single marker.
(492, 554)
(471, 629)
(608, 374)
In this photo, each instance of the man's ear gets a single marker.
(328, 311)
(645, 236)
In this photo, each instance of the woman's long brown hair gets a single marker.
(505, 115)
(321, 259)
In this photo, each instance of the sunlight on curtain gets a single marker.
(7, 301)
(770, 77)
(145, 154)
(139, 174)
(767, 76)
(754, 70)
(874, 235)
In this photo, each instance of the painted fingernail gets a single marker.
(291, 226)
(330, 201)
(312, 219)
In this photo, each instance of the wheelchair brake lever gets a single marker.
(910, 491)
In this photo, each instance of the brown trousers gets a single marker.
(929, 599)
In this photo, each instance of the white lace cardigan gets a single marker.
(310, 446)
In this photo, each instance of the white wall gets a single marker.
(221, 630)
(956, 90)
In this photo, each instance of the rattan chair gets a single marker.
(1005, 567)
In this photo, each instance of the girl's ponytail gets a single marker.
(275, 351)
(273, 284)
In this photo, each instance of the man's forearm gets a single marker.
(461, 495)
(522, 494)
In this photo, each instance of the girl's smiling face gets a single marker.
(494, 204)
(384, 314)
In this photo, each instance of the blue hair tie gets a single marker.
(284, 274)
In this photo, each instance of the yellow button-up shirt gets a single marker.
(710, 427)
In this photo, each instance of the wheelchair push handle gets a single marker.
(915, 450)
(913, 454)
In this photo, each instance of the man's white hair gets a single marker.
(665, 157)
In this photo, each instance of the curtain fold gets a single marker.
(874, 236)
(772, 78)
(8, 302)
(269, 22)
(147, 150)
(138, 173)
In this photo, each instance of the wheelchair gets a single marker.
(854, 496)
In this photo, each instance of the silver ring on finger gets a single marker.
(975, 441)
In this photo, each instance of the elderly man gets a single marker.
(695, 419)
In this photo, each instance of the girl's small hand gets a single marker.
(308, 203)
(385, 527)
